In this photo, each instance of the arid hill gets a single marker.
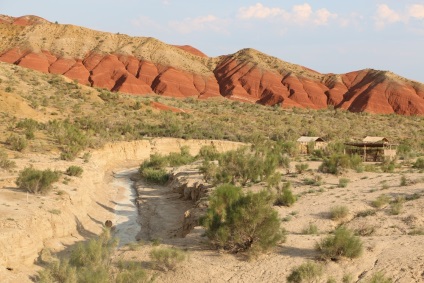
(142, 65)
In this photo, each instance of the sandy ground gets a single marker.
(388, 248)
(78, 207)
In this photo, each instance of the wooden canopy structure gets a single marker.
(372, 149)
(305, 144)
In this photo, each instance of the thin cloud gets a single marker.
(259, 11)
(416, 11)
(386, 16)
(146, 24)
(209, 22)
(299, 14)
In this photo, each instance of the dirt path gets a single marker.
(161, 212)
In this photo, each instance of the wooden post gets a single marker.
(365, 153)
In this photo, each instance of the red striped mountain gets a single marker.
(140, 65)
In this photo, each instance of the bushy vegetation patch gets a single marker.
(5, 163)
(285, 196)
(154, 169)
(167, 258)
(237, 221)
(419, 163)
(88, 262)
(379, 277)
(339, 212)
(37, 181)
(17, 142)
(336, 163)
(381, 201)
(343, 243)
(74, 171)
(245, 165)
(307, 272)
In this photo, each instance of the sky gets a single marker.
(328, 36)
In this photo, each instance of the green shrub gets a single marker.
(365, 213)
(343, 182)
(419, 163)
(338, 212)
(209, 152)
(336, 163)
(396, 206)
(16, 142)
(37, 181)
(156, 176)
(307, 272)
(167, 258)
(311, 229)
(181, 158)
(342, 244)
(131, 272)
(381, 201)
(89, 262)
(403, 181)
(285, 196)
(301, 167)
(379, 277)
(5, 163)
(74, 171)
(58, 271)
(238, 221)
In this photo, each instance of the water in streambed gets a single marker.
(126, 211)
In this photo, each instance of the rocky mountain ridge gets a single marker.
(143, 65)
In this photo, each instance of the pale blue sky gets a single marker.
(327, 36)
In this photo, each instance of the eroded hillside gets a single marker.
(141, 65)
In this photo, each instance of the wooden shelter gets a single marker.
(372, 149)
(307, 144)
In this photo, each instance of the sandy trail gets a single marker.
(161, 212)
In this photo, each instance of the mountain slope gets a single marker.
(142, 65)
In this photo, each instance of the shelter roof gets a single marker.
(309, 139)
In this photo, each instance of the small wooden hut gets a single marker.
(308, 144)
(372, 149)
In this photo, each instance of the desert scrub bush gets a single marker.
(316, 181)
(301, 167)
(285, 196)
(306, 272)
(403, 181)
(131, 272)
(5, 163)
(237, 221)
(208, 152)
(58, 271)
(16, 142)
(343, 182)
(339, 212)
(167, 258)
(396, 206)
(74, 171)
(419, 163)
(181, 158)
(37, 181)
(311, 229)
(153, 170)
(365, 213)
(381, 201)
(336, 163)
(88, 262)
(343, 243)
(379, 277)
